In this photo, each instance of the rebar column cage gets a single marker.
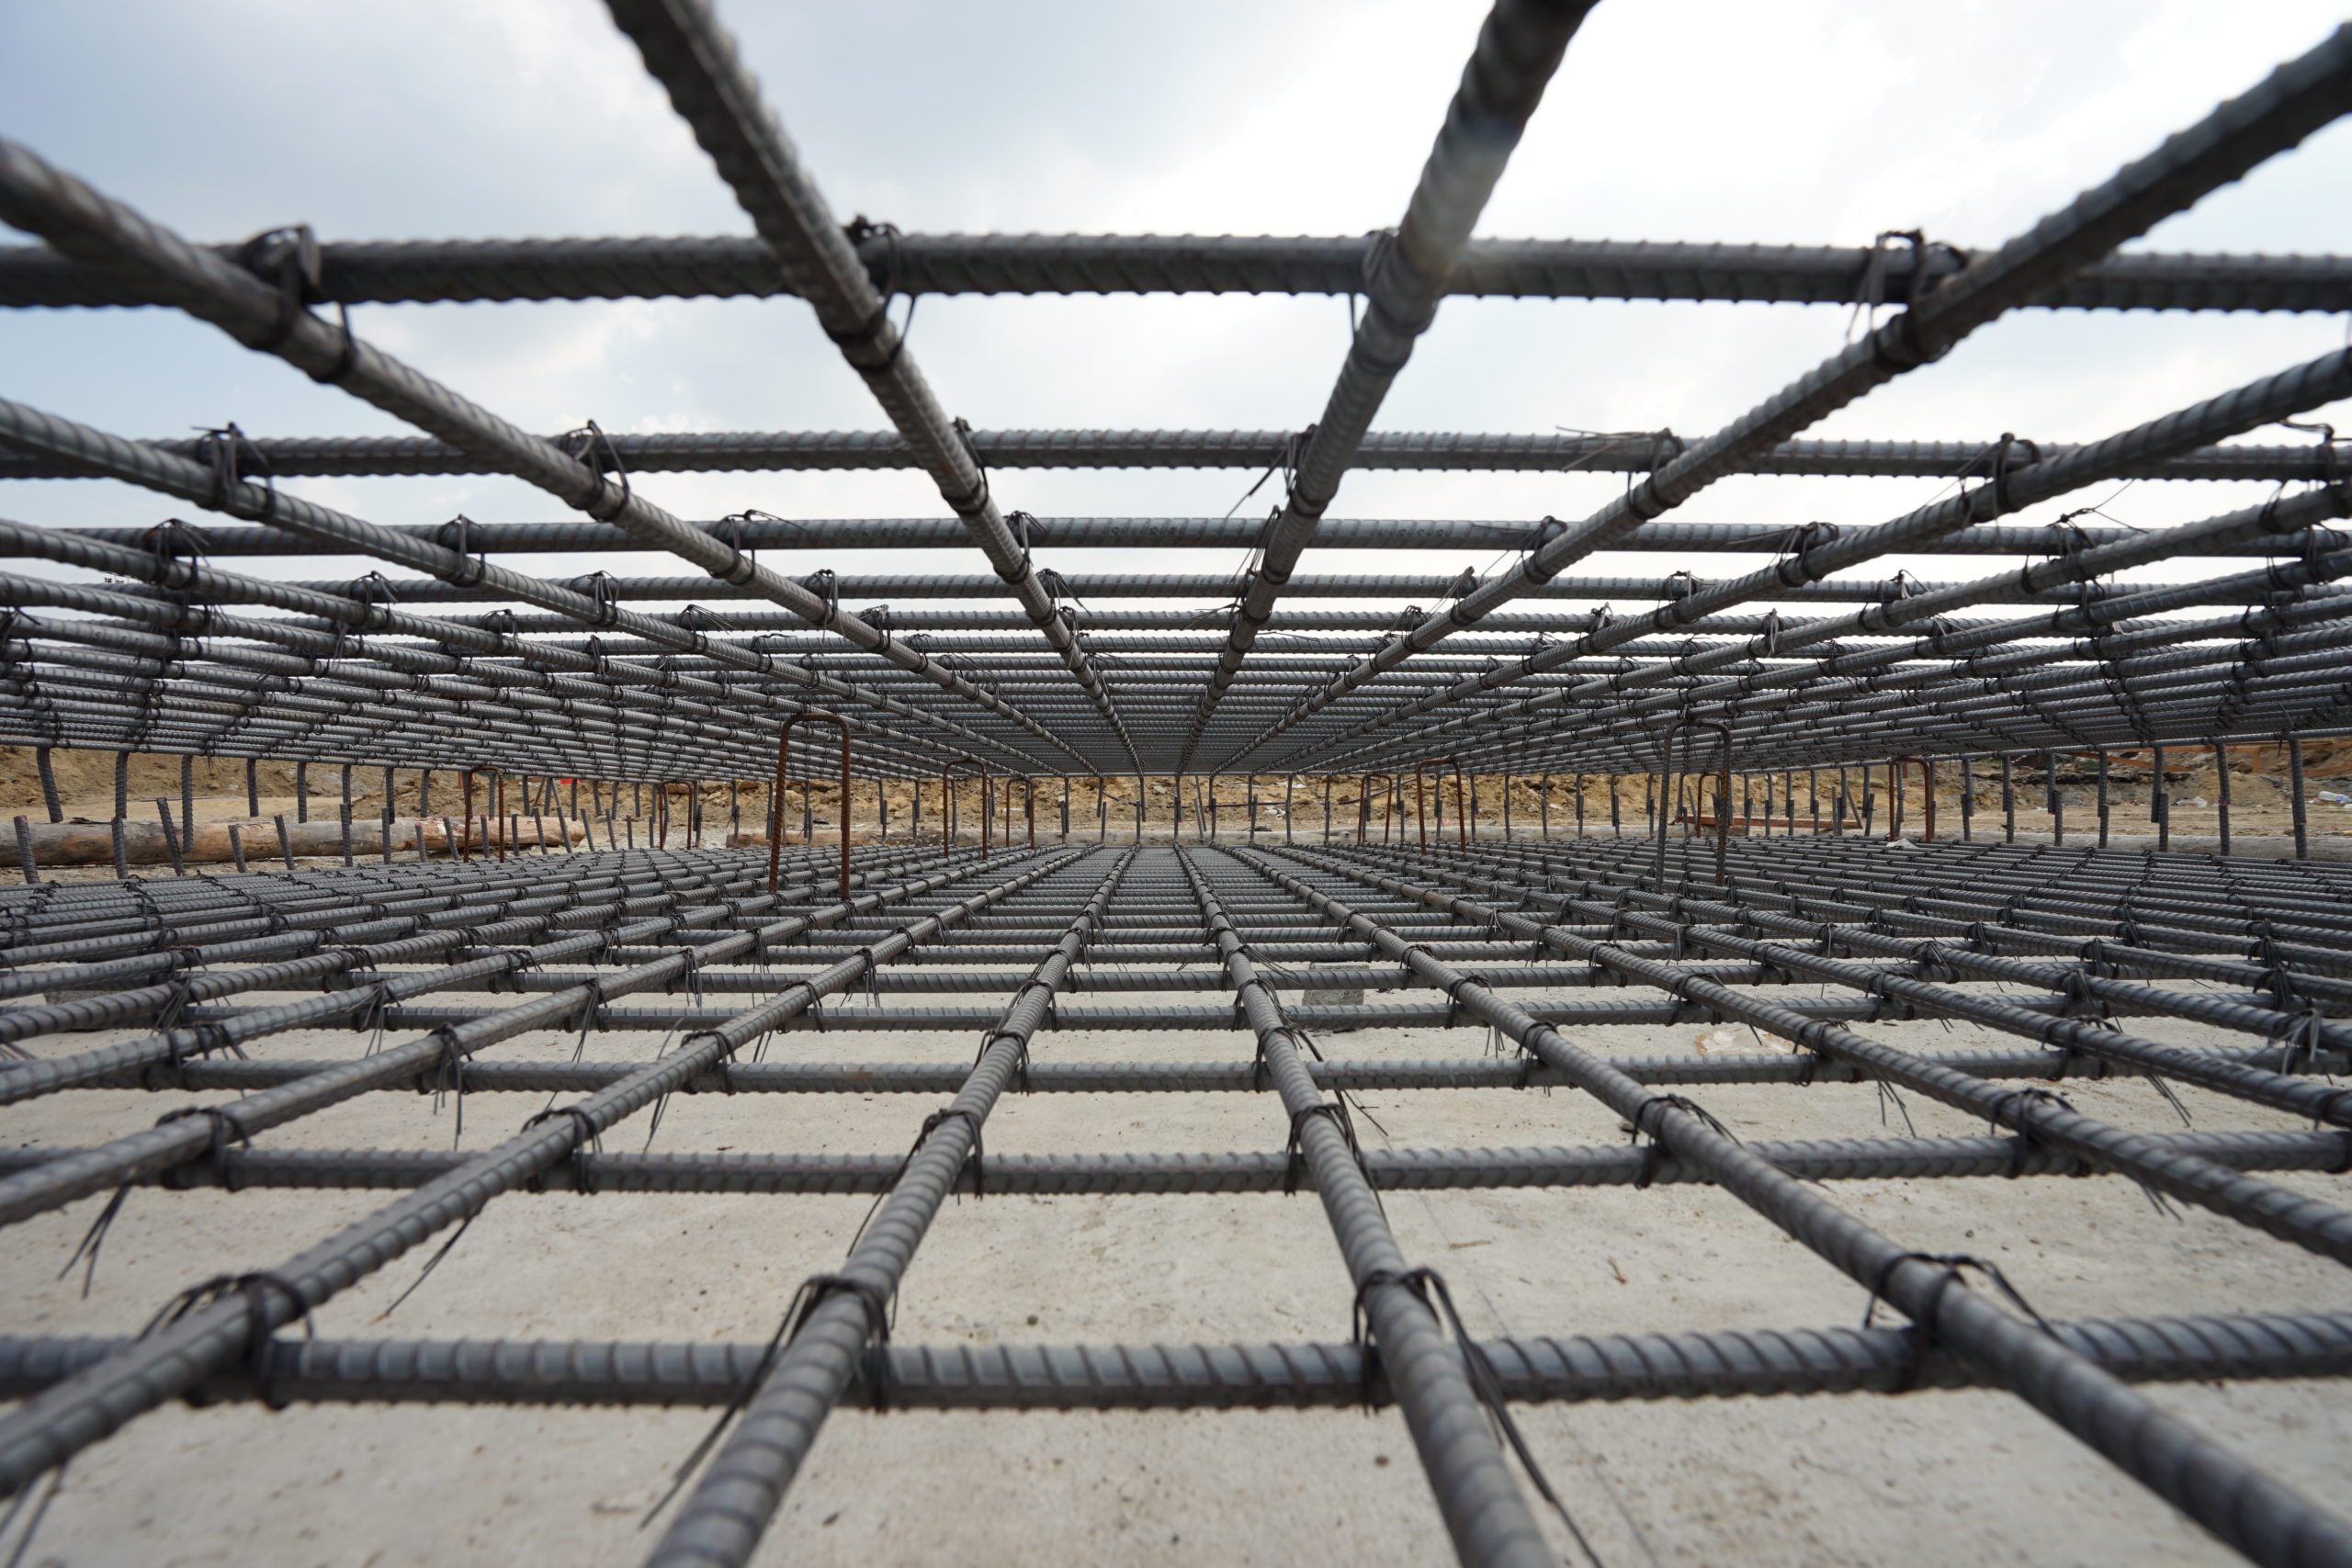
(1927, 797)
(947, 804)
(775, 795)
(1460, 800)
(1363, 806)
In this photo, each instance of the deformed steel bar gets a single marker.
(1179, 533)
(2296, 100)
(261, 687)
(1206, 585)
(1519, 46)
(1567, 1369)
(1221, 1173)
(1871, 1009)
(1814, 555)
(1411, 451)
(776, 792)
(2049, 903)
(49, 1428)
(2317, 1226)
(694, 59)
(2258, 1515)
(730, 267)
(1485, 1512)
(181, 1138)
(483, 953)
(723, 1515)
(1719, 697)
(1932, 956)
(1798, 1068)
(79, 220)
(1954, 675)
(195, 581)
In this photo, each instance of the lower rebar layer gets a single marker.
(610, 982)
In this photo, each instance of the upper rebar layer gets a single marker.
(1518, 49)
(693, 58)
(493, 876)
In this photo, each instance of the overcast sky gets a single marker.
(1818, 123)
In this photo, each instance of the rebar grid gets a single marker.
(425, 952)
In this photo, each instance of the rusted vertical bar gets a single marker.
(171, 838)
(2099, 758)
(775, 808)
(947, 812)
(2160, 800)
(2295, 794)
(2221, 790)
(49, 796)
(1462, 800)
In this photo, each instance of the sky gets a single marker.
(1808, 122)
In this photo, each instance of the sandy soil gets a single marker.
(1929, 1479)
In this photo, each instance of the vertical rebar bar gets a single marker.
(2099, 756)
(48, 795)
(24, 851)
(2160, 802)
(2295, 793)
(171, 838)
(1722, 812)
(2221, 791)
